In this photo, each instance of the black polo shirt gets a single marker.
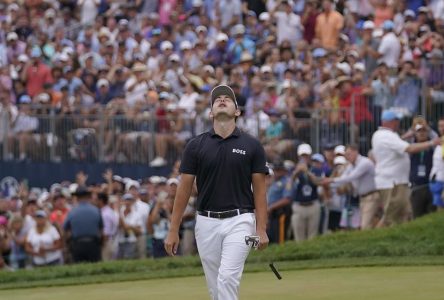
(223, 169)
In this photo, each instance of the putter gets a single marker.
(275, 271)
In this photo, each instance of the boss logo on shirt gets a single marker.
(238, 151)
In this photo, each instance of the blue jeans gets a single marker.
(436, 188)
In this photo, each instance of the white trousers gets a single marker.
(222, 250)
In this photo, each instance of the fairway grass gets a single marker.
(394, 283)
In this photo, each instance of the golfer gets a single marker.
(229, 166)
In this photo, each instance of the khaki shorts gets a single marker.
(397, 206)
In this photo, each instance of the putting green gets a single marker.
(343, 283)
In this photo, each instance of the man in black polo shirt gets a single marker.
(229, 167)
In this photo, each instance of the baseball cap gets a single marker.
(344, 67)
(318, 157)
(419, 126)
(25, 99)
(319, 52)
(12, 36)
(185, 45)
(174, 57)
(132, 183)
(23, 58)
(164, 95)
(166, 45)
(208, 68)
(102, 82)
(368, 25)
(339, 160)
(40, 214)
(238, 29)
(221, 37)
(265, 69)
(127, 197)
(409, 13)
(389, 115)
(388, 25)
(201, 28)
(173, 181)
(359, 66)
(304, 149)
(339, 150)
(223, 90)
(36, 52)
(264, 16)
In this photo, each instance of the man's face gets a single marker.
(224, 106)
(421, 135)
(329, 154)
(351, 155)
(326, 5)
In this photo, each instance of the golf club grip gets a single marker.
(275, 271)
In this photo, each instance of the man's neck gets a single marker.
(224, 128)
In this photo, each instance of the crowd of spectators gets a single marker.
(95, 79)
(319, 193)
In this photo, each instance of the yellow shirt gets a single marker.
(328, 27)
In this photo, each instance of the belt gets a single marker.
(368, 194)
(224, 214)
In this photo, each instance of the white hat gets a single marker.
(185, 45)
(50, 13)
(63, 57)
(173, 181)
(11, 36)
(208, 68)
(359, 66)
(104, 31)
(131, 183)
(43, 97)
(165, 45)
(13, 6)
(353, 53)
(287, 84)
(23, 58)
(238, 29)
(368, 25)
(197, 3)
(201, 28)
(409, 13)
(265, 69)
(174, 57)
(339, 150)
(221, 37)
(339, 160)
(344, 67)
(68, 51)
(102, 82)
(264, 16)
(304, 149)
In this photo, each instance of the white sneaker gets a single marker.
(158, 162)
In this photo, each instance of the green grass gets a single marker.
(391, 283)
(417, 243)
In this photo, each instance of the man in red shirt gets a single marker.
(36, 73)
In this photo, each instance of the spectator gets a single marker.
(158, 223)
(36, 73)
(110, 226)
(389, 49)
(18, 258)
(289, 27)
(43, 242)
(437, 173)
(420, 168)
(360, 172)
(328, 26)
(393, 168)
(130, 228)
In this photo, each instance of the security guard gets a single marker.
(85, 225)
(279, 209)
(229, 167)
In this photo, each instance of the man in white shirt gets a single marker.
(392, 170)
(389, 49)
(437, 173)
(143, 209)
(360, 172)
(289, 25)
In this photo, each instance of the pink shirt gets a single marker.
(165, 9)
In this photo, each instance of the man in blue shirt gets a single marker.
(279, 210)
(85, 225)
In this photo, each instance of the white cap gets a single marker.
(359, 66)
(304, 149)
(368, 25)
(13, 6)
(173, 181)
(238, 29)
(287, 84)
(344, 67)
(339, 150)
(201, 28)
(104, 31)
(131, 183)
(197, 3)
(221, 37)
(63, 57)
(409, 13)
(264, 16)
(43, 98)
(339, 160)
(50, 13)
(102, 82)
(11, 36)
(353, 53)
(174, 57)
(265, 69)
(166, 45)
(185, 45)
(23, 58)
(208, 68)
(68, 51)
